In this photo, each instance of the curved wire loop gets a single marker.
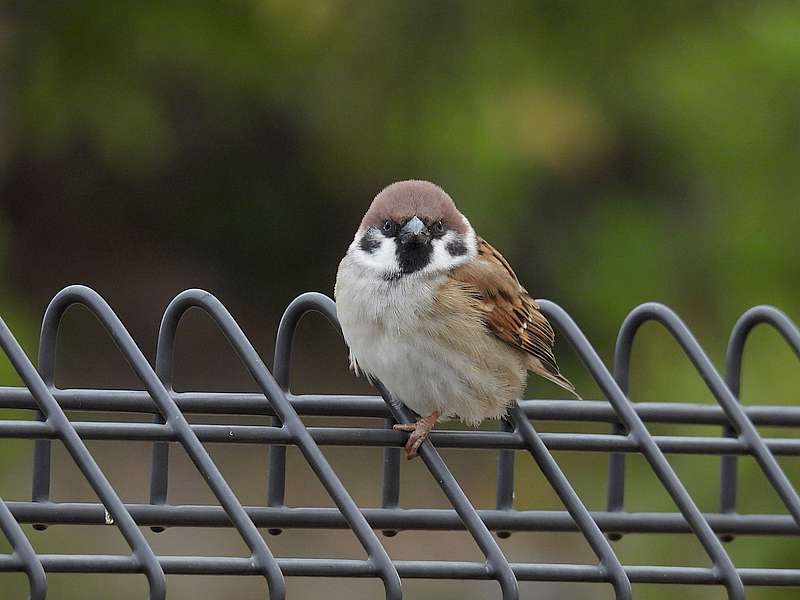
(497, 565)
(733, 410)
(276, 486)
(276, 482)
(628, 417)
(290, 420)
(57, 419)
(779, 321)
(23, 551)
(173, 418)
(276, 476)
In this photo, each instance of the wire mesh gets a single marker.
(628, 434)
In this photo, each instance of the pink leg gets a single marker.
(419, 431)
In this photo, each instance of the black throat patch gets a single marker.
(413, 257)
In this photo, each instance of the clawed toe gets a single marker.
(413, 444)
(415, 439)
(409, 427)
(418, 433)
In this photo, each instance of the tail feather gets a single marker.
(556, 378)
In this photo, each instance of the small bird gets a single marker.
(437, 314)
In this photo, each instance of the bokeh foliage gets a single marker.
(616, 152)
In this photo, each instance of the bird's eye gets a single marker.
(388, 226)
(438, 228)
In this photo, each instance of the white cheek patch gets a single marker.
(462, 250)
(381, 254)
(470, 239)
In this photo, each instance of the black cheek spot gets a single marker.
(369, 244)
(456, 247)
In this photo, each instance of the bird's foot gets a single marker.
(419, 432)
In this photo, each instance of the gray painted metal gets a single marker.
(629, 434)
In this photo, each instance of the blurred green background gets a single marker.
(616, 152)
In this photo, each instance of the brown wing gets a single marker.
(510, 312)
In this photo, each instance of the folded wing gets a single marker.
(510, 313)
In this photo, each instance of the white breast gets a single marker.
(393, 333)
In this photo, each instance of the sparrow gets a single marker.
(436, 314)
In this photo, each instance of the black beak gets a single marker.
(414, 232)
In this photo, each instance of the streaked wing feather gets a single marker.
(510, 312)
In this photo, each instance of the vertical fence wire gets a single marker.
(504, 493)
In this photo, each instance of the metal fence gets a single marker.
(628, 433)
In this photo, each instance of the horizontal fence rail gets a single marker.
(45, 418)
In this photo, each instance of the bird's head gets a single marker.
(413, 228)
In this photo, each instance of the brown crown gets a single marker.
(405, 199)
